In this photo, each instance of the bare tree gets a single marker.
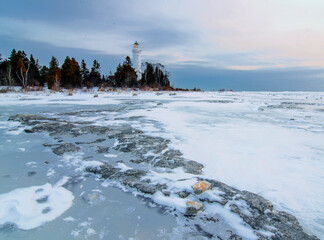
(10, 80)
(23, 75)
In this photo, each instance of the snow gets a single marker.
(109, 155)
(32, 207)
(260, 151)
(69, 219)
(123, 167)
(75, 160)
(170, 201)
(51, 172)
(177, 180)
(235, 221)
(267, 143)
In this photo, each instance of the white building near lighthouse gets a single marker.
(137, 64)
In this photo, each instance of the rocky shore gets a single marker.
(149, 153)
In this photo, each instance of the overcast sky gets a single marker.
(239, 44)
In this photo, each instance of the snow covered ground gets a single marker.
(268, 143)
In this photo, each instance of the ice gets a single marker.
(69, 219)
(170, 201)
(75, 160)
(260, 151)
(233, 219)
(31, 207)
(109, 155)
(15, 132)
(86, 164)
(177, 180)
(31, 163)
(123, 167)
(91, 231)
(50, 172)
(267, 143)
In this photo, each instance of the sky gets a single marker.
(257, 45)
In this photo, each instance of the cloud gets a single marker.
(231, 34)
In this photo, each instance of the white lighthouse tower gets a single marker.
(137, 60)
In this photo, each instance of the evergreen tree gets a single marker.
(19, 66)
(128, 61)
(2, 71)
(84, 72)
(155, 76)
(95, 77)
(53, 76)
(43, 75)
(33, 75)
(125, 75)
(71, 75)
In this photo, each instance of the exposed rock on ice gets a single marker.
(65, 147)
(201, 187)
(255, 213)
(193, 208)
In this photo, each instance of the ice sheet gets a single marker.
(276, 151)
(31, 207)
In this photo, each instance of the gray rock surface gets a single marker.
(65, 147)
(152, 152)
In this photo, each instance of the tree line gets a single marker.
(21, 70)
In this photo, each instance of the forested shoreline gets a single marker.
(20, 70)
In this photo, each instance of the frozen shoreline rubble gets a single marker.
(152, 153)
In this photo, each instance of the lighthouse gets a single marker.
(137, 60)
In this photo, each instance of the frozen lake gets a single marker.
(270, 144)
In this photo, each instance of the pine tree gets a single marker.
(125, 75)
(128, 61)
(84, 72)
(53, 76)
(71, 76)
(95, 77)
(33, 75)
(155, 76)
(43, 75)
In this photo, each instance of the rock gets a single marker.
(46, 210)
(42, 199)
(193, 208)
(65, 147)
(95, 130)
(50, 145)
(183, 194)
(106, 170)
(201, 187)
(96, 141)
(144, 188)
(188, 165)
(255, 201)
(31, 173)
(151, 152)
(101, 149)
(167, 193)
(27, 118)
